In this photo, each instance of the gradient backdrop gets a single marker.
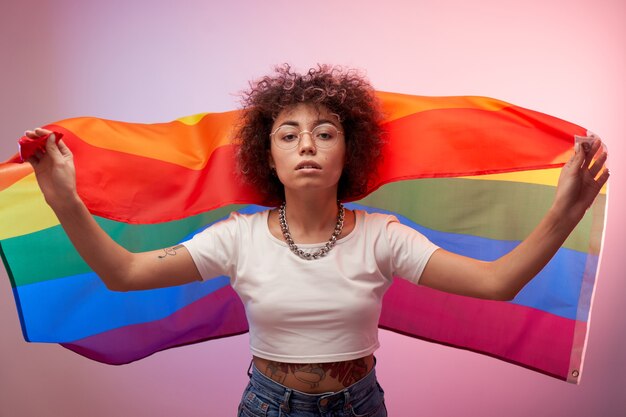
(153, 61)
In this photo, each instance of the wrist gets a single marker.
(565, 215)
(66, 204)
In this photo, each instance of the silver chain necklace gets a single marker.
(282, 219)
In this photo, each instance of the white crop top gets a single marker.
(300, 311)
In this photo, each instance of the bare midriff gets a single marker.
(316, 378)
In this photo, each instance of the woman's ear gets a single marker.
(270, 161)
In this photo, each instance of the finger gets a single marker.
(595, 147)
(42, 132)
(63, 148)
(590, 152)
(603, 178)
(30, 134)
(52, 148)
(579, 155)
(598, 164)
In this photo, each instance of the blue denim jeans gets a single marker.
(264, 397)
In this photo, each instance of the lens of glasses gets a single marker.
(288, 137)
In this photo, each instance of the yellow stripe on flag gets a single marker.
(23, 209)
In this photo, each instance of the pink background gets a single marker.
(152, 61)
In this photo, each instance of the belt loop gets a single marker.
(285, 404)
(250, 368)
(346, 400)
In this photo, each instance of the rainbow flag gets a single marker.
(474, 174)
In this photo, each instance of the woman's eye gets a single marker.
(324, 135)
(289, 137)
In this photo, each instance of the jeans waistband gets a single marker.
(291, 398)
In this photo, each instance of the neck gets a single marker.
(311, 213)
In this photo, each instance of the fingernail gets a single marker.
(577, 147)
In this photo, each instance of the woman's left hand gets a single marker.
(581, 180)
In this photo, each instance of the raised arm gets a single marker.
(118, 268)
(580, 181)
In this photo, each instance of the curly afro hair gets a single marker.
(343, 92)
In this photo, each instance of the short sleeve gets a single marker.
(410, 250)
(214, 250)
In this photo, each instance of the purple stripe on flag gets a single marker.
(187, 325)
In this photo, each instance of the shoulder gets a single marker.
(389, 226)
(247, 217)
(374, 219)
(236, 223)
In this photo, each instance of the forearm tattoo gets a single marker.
(170, 251)
(312, 374)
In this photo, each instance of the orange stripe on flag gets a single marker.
(12, 173)
(396, 106)
(189, 146)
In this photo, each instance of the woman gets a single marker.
(311, 273)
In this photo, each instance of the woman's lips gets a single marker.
(308, 165)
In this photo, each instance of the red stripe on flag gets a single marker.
(459, 142)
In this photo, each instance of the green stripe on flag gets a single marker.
(48, 254)
(498, 210)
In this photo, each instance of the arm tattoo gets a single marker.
(170, 251)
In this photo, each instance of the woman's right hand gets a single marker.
(54, 169)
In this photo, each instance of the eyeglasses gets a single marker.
(288, 137)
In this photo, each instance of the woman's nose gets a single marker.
(307, 143)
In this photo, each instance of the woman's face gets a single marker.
(301, 161)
